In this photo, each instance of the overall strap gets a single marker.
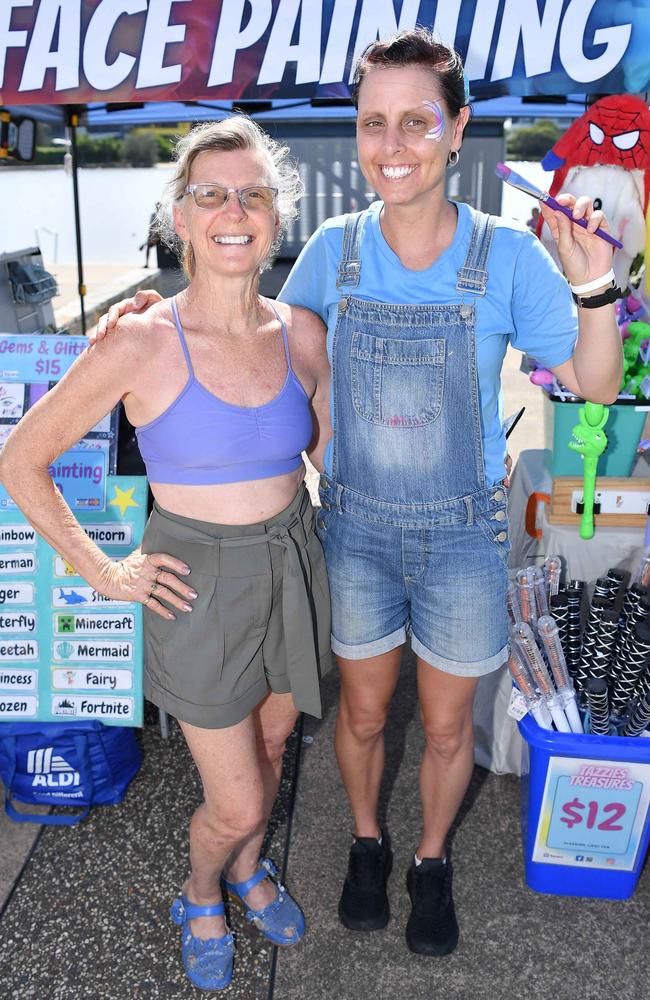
(473, 275)
(349, 269)
(285, 339)
(181, 337)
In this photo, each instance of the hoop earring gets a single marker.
(453, 158)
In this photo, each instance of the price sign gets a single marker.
(593, 813)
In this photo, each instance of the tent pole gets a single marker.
(73, 121)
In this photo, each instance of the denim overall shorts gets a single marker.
(416, 541)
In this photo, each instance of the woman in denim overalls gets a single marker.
(421, 297)
(414, 520)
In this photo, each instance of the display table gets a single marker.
(498, 744)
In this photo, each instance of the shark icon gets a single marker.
(72, 597)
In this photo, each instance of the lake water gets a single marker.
(116, 203)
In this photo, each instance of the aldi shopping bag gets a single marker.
(65, 764)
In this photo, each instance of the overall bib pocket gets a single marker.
(397, 383)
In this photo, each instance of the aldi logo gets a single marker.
(50, 770)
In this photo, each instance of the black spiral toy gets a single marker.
(604, 645)
(590, 639)
(631, 600)
(643, 684)
(633, 660)
(639, 719)
(598, 701)
(617, 580)
(602, 587)
(574, 629)
(559, 610)
(638, 611)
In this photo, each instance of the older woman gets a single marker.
(421, 297)
(226, 391)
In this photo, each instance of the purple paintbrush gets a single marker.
(516, 180)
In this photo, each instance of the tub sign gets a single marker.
(593, 813)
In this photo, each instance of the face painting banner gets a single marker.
(80, 51)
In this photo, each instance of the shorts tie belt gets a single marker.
(302, 667)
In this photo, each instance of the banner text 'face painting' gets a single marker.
(84, 50)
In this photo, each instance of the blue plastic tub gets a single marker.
(585, 812)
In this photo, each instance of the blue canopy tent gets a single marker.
(106, 116)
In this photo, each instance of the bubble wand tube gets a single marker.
(559, 611)
(527, 598)
(521, 676)
(536, 576)
(512, 603)
(550, 636)
(524, 642)
(552, 574)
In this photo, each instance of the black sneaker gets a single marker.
(432, 928)
(364, 900)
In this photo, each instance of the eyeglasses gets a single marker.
(253, 198)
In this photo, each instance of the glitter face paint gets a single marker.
(438, 129)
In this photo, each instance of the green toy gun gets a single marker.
(589, 440)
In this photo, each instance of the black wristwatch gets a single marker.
(595, 301)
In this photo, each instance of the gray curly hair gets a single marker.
(237, 132)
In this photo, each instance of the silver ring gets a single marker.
(157, 573)
(145, 603)
(154, 587)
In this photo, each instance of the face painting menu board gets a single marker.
(67, 652)
(593, 814)
(30, 364)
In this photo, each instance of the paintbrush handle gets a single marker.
(552, 203)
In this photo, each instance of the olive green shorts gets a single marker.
(261, 621)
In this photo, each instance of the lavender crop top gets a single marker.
(199, 440)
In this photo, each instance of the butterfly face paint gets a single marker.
(438, 129)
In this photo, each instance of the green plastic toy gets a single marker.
(638, 332)
(589, 440)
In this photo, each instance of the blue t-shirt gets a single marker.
(528, 302)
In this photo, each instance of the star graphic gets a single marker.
(123, 499)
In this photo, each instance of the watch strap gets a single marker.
(596, 301)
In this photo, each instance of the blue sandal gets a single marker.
(282, 921)
(208, 963)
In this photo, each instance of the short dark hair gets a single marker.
(417, 47)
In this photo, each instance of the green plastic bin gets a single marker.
(623, 429)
